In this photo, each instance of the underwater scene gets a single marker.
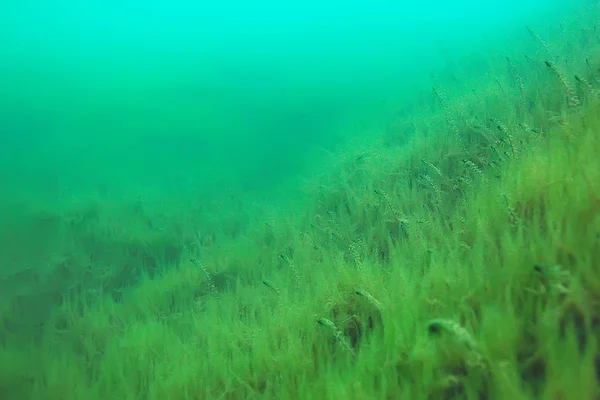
(300, 200)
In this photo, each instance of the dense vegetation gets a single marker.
(457, 255)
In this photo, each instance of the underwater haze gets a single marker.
(220, 95)
(299, 200)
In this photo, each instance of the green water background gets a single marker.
(170, 98)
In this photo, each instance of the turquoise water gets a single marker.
(122, 96)
(242, 200)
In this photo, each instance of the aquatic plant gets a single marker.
(462, 263)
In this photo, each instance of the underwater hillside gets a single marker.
(354, 225)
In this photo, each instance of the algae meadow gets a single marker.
(454, 255)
